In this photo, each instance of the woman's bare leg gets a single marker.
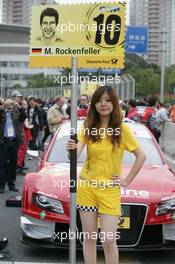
(108, 224)
(89, 224)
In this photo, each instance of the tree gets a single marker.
(40, 81)
(170, 78)
(17, 86)
(147, 75)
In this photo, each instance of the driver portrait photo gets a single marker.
(49, 20)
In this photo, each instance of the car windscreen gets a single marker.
(58, 152)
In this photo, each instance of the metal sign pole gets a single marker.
(73, 165)
(162, 68)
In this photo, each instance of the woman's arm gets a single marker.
(140, 159)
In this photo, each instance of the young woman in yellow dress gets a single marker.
(98, 192)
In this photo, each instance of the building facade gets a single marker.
(19, 11)
(138, 13)
(14, 57)
(160, 19)
(168, 25)
(3, 9)
(154, 38)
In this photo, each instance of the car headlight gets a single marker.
(165, 207)
(48, 203)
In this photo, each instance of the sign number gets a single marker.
(113, 23)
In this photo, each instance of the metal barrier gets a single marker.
(125, 89)
(49, 92)
(167, 139)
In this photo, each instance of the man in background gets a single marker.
(35, 118)
(83, 106)
(161, 114)
(11, 136)
(132, 110)
(16, 96)
(55, 115)
(150, 118)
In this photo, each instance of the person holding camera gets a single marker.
(11, 136)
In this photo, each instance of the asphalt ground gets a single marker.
(10, 228)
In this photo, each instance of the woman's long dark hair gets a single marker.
(93, 118)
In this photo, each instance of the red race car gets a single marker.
(148, 203)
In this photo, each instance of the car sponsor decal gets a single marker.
(135, 193)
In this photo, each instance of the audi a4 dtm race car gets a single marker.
(148, 203)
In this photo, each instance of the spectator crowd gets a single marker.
(26, 123)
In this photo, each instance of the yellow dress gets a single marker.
(94, 191)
